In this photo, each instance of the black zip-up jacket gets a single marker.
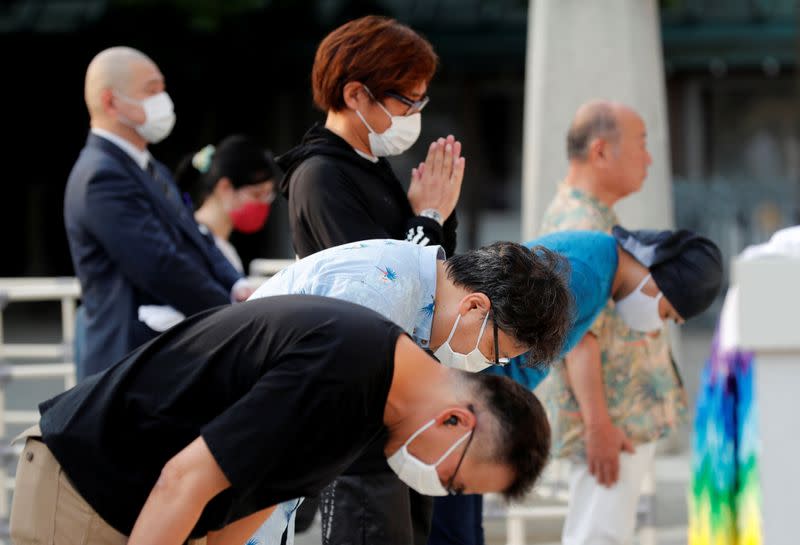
(336, 196)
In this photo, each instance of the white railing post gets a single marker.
(4, 507)
(264, 268)
(65, 291)
(515, 529)
(68, 338)
(4, 511)
(767, 324)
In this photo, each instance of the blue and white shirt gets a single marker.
(392, 277)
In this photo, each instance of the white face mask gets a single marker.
(159, 117)
(419, 476)
(473, 362)
(401, 134)
(640, 311)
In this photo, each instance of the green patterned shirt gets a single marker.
(644, 392)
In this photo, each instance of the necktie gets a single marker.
(165, 186)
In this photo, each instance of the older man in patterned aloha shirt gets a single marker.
(618, 390)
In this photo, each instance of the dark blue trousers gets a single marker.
(457, 520)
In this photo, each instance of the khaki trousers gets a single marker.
(46, 509)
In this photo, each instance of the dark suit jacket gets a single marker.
(132, 246)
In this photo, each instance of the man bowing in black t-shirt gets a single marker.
(200, 432)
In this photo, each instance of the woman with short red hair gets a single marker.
(371, 77)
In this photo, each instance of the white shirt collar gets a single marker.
(366, 156)
(140, 157)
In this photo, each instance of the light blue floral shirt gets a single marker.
(394, 278)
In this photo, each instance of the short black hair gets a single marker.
(521, 431)
(601, 123)
(528, 290)
(237, 157)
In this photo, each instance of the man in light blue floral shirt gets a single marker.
(392, 277)
(466, 310)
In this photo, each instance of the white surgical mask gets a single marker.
(473, 362)
(401, 134)
(159, 117)
(639, 310)
(419, 476)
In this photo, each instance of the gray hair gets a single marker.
(593, 120)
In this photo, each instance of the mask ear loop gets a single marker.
(447, 452)
(480, 335)
(452, 448)
(416, 433)
(453, 331)
(643, 282)
(381, 106)
(125, 121)
(387, 112)
(125, 97)
(364, 121)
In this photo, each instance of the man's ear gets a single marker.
(108, 102)
(473, 301)
(598, 150)
(456, 416)
(354, 95)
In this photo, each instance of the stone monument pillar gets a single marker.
(584, 49)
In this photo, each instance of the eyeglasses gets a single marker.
(414, 106)
(449, 486)
(497, 359)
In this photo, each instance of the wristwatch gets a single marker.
(433, 214)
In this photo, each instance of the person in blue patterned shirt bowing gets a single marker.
(466, 310)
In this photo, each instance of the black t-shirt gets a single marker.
(286, 391)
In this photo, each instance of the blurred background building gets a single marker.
(244, 65)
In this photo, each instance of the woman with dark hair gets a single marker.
(232, 187)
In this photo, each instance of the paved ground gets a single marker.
(39, 323)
